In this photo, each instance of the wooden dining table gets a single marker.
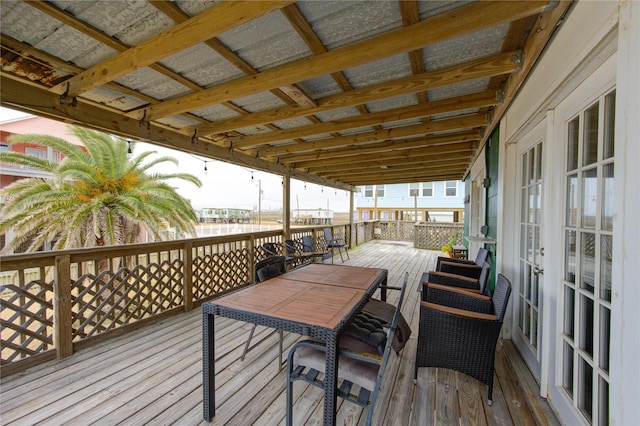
(317, 300)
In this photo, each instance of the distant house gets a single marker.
(224, 215)
(10, 173)
(424, 201)
(312, 216)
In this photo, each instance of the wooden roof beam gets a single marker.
(388, 178)
(461, 21)
(502, 63)
(208, 24)
(432, 157)
(443, 106)
(32, 98)
(289, 94)
(419, 142)
(405, 155)
(452, 124)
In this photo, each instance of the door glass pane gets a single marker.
(572, 200)
(585, 398)
(530, 243)
(586, 325)
(527, 316)
(523, 241)
(538, 202)
(606, 247)
(607, 197)
(588, 260)
(538, 163)
(590, 146)
(603, 412)
(569, 311)
(521, 314)
(570, 256)
(538, 256)
(589, 195)
(605, 324)
(532, 170)
(567, 366)
(609, 125)
(572, 144)
(523, 205)
(534, 329)
(532, 204)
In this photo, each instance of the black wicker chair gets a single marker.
(459, 330)
(360, 363)
(467, 268)
(474, 284)
(267, 268)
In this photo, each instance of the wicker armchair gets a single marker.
(361, 366)
(453, 336)
(478, 285)
(468, 268)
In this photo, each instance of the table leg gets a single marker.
(330, 381)
(208, 367)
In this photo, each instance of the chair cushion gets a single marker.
(368, 329)
(358, 372)
(385, 312)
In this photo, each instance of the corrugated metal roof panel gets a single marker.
(266, 42)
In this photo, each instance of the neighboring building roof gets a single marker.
(39, 125)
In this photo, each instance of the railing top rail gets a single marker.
(89, 253)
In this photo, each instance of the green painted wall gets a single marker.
(492, 163)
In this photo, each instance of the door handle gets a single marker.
(537, 270)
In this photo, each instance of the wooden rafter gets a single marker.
(439, 28)
(208, 24)
(299, 153)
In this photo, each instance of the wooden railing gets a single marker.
(54, 303)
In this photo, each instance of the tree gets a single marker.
(96, 196)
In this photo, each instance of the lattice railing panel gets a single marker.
(219, 273)
(27, 320)
(113, 299)
(434, 235)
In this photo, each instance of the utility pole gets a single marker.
(259, 203)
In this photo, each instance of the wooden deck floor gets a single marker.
(154, 376)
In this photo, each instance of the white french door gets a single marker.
(529, 277)
(583, 374)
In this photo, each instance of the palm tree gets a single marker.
(96, 196)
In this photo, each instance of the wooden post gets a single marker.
(252, 258)
(62, 332)
(352, 240)
(187, 282)
(286, 206)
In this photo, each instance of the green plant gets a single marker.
(453, 239)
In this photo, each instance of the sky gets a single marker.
(230, 186)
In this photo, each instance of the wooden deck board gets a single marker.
(153, 376)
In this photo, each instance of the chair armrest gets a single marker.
(453, 276)
(453, 280)
(457, 298)
(468, 270)
(464, 291)
(459, 312)
(454, 260)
